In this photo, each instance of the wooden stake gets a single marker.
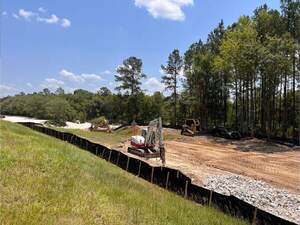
(254, 216)
(109, 156)
(186, 188)
(127, 163)
(118, 158)
(152, 172)
(210, 197)
(139, 168)
(167, 181)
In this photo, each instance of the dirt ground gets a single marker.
(202, 156)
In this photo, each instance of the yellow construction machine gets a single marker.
(191, 127)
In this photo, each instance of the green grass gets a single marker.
(111, 139)
(47, 181)
(108, 139)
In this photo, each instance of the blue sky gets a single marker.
(78, 44)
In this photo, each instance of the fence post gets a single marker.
(97, 150)
(139, 168)
(86, 144)
(177, 174)
(254, 216)
(210, 197)
(109, 155)
(186, 188)
(167, 181)
(128, 158)
(118, 159)
(152, 172)
(102, 153)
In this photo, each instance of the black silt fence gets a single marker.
(146, 172)
(265, 218)
(106, 153)
(133, 166)
(122, 161)
(160, 176)
(198, 194)
(170, 179)
(114, 156)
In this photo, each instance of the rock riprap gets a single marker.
(279, 202)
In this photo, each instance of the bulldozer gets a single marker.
(191, 127)
(150, 143)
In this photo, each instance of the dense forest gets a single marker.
(244, 76)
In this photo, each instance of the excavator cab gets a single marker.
(191, 127)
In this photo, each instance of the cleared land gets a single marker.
(202, 156)
(47, 181)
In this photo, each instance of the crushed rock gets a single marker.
(276, 201)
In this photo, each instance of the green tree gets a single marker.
(60, 91)
(104, 91)
(170, 79)
(59, 111)
(129, 75)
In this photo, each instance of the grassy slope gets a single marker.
(47, 181)
(111, 139)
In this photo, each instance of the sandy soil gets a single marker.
(199, 157)
(22, 119)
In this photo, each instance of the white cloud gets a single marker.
(52, 83)
(91, 77)
(15, 16)
(42, 10)
(4, 13)
(53, 19)
(80, 78)
(107, 72)
(7, 90)
(70, 76)
(168, 9)
(27, 15)
(152, 84)
(29, 84)
(65, 23)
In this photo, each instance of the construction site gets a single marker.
(262, 173)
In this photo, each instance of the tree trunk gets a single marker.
(236, 104)
(251, 108)
(294, 96)
(175, 105)
(285, 107)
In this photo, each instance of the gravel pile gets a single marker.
(258, 193)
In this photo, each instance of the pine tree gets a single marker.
(172, 70)
(129, 75)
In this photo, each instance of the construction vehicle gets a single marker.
(100, 124)
(191, 127)
(150, 143)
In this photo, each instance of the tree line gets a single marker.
(244, 76)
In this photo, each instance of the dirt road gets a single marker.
(199, 157)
